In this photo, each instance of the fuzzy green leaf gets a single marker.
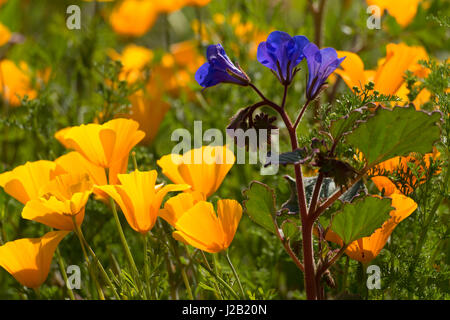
(260, 205)
(395, 132)
(361, 218)
(343, 125)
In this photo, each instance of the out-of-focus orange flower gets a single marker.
(403, 11)
(107, 145)
(28, 260)
(204, 168)
(133, 58)
(25, 182)
(15, 82)
(5, 34)
(199, 3)
(64, 197)
(168, 6)
(366, 249)
(219, 18)
(198, 225)
(140, 198)
(136, 17)
(186, 55)
(149, 112)
(133, 17)
(389, 77)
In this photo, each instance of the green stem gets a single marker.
(100, 268)
(226, 285)
(149, 285)
(86, 257)
(125, 246)
(172, 243)
(62, 268)
(235, 274)
(218, 293)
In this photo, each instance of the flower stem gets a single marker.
(218, 292)
(146, 270)
(211, 272)
(125, 246)
(100, 267)
(86, 257)
(235, 274)
(62, 268)
(177, 257)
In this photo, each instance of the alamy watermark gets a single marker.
(374, 278)
(374, 21)
(73, 277)
(261, 145)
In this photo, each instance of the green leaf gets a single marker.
(260, 205)
(395, 132)
(291, 228)
(361, 218)
(343, 125)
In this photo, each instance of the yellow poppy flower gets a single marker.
(198, 225)
(15, 82)
(139, 197)
(74, 163)
(204, 169)
(133, 17)
(168, 6)
(133, 58)
(389, 76)
(403, 11)
(64, 197)
(5, 34)
(185, 54)
(199, 3)
(107, 145)
(366, 249)
(28, 260)
(148, 112)
(25, 182)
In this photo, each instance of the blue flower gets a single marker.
(219, 68)
(282, 53)
(321, 63)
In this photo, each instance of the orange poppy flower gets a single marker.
(198, 225)
(133, 17)
(15, 82)
(148, 112)
(5, 34)
(25, 181)
(204, 168)
(133, 58)
(107, 145)
(389, 77)
(74, 163)
(403, 11)
(64, 197)
(28, 260)
(139, 197)
(396, 163)
(366, 249)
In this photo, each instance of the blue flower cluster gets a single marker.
(282, 54)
